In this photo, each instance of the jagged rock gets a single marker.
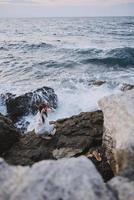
(19, 106)
(75, 136)
(78, 133)
(5, 97)
(125, 87)
(119, 129)
(8, 134)
(100, 161)
(65, 179)
(123, 186)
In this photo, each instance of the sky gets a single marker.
(65, 8)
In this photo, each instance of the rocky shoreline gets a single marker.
(90, 157)
(75, 136)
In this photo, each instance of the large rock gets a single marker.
(74, 136)
(65, 179)
(123, 186)
(119, 129)
(9, 135)
(19, 106)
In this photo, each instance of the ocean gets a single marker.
(67, 54)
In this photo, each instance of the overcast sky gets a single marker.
(65, 8)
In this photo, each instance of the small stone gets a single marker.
(98, 82)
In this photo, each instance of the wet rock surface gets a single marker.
(19, 106)
(125, 87)
(96, 82)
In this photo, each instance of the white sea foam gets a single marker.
(73, 102)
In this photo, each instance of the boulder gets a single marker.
(19, 106)
(65, 179)
(73, 136)
(9, 135)
(118, 137)
(123, 186)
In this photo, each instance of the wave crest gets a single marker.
(119, 56)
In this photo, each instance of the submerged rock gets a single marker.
(125, 87)
(19, 106)
(118, 137)
(65, 179)
(97, 82)
(9, 135)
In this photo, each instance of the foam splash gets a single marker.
(73, 102)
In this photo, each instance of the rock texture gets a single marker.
(122, 187)
(65, 179)
(19, 106)
(73, 136)
(8, 135)
(119, 130)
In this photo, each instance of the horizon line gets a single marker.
(93, 16)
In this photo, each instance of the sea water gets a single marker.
(66, 54)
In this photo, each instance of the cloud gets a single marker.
(65, 2)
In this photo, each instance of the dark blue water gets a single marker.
(66, 54)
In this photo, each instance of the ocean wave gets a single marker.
(25, 46)
(119, 56)
(3, 48)
(37, 46)
(56, 64)
(128, 23)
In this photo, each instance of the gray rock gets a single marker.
(122, 187)
(65, 179)
(10, 179)
(119, 129)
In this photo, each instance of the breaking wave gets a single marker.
(119, 56)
